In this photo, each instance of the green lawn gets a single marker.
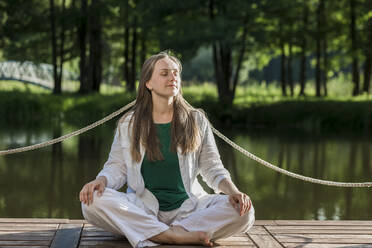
(254, 106)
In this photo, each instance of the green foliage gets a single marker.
(254, 106)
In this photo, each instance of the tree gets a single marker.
(282, 30)
(226, 27)
(366, 44)
(354, 47)
(90, 43)
(226, 69)
(304, 45)
(82, 41)
(95, 44)
(368, 56)
(31, 35)
(57, 74)
(319, 49)
(130, 45)
(59, 27)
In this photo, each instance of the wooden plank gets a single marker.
(325, 238)
(236, 238)
(27, 228)
(92, 228)
(264, 239)
(103, 238)
(117, 245)
(98, 246)
(320, 227)
(30, 238)
(240, 235)
(235, 241)
(78, 222)
(33, 220)
(89, 225)
(43, 233)
(28, 225)
(324, 222)
(265, 223)
(194, 246)
(67, 236)
(230, 242)
(257, 230)
(105, 243)
(32, 246)
(25, 237)
(96, 233)
(24, 243)
(325, 245)
(294, 231)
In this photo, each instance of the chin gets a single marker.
(175, 92)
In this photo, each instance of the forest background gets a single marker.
(285, 63)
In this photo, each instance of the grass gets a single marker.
(254, 106)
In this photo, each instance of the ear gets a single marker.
(148, 85)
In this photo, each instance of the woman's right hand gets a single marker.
(86, 193)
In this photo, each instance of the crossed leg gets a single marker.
(124, 214)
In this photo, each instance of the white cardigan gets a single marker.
(120, 169)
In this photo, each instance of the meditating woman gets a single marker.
(159, 148)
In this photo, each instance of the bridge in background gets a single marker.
(29, 72)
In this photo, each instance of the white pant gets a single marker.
(125, 214)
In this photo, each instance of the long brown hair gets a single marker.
(184, 129)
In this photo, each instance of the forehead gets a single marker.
(166, 63)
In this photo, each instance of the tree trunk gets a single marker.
(325, 66)
(224, 73)
(240, 60)
(318, 73)
(143, 46)
(303, 50)
(324, 47)
(57, 86)
(62, 46)
(126, 46)
(223, 63)
(132, 82)
(82, 39)
(283, 76)
(354, 47)
(289, 64)
(367, 73)
(95, 47)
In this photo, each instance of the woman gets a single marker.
(158, 150)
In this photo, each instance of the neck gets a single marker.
(162, 110)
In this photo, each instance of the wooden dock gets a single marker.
(64, 233)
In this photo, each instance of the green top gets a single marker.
(163, 178)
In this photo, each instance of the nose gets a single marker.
(172, 77)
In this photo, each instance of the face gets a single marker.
(165, 80)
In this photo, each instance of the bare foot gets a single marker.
(178, 235)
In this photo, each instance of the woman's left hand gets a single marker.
(241, 202)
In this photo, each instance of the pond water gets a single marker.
(46, 182)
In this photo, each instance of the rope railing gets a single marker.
(70, 135)
(219, 134)
(285, 172)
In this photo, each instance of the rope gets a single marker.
(285, 172)
(219, 134)
(70, 135)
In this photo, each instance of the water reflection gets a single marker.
(280, 197)
(46, 182)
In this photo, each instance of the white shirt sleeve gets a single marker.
(210, 164)
(115, 169)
